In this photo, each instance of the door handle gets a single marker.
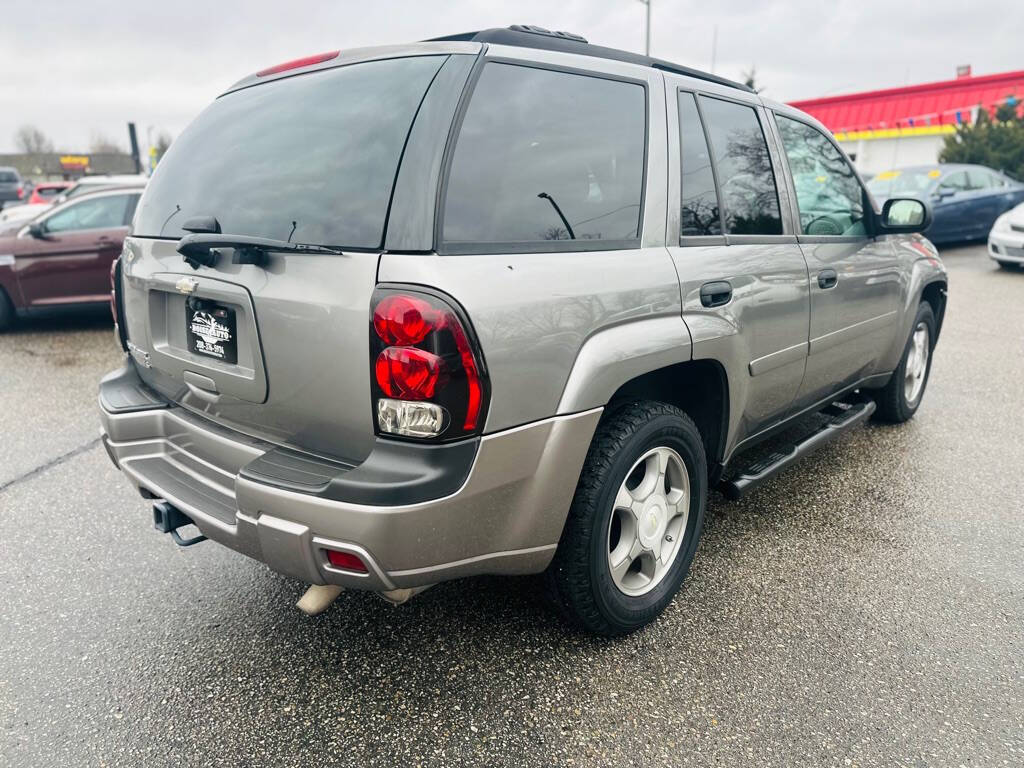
(827, 278)
(715, 294)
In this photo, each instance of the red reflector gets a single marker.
(345, 560)
(298, 63)
(408, 373)
(403, 320)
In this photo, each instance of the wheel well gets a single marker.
(935, 294)
(699, 387)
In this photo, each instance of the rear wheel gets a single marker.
(898, 401)
(635, 521)
(6, 310)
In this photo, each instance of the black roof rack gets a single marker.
(529, 36)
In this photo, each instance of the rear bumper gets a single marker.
(499, 508)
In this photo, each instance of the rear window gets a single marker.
(8, 177)
(310, 158)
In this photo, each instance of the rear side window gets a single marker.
(699, 213)
(828, 194)
(94, 213)
(750, 201)
(547, 156)
(310, 158)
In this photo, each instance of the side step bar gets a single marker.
(842, 417)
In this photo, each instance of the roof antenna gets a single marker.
(294, 224)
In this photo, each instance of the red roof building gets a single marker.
(905, 126)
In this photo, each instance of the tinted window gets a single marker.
(546, 155)
(699, 211)
(95, 213)
(750, 202)
(8, 177)
(319, 150)
(829, 197)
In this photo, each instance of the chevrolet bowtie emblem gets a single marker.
(186, 285)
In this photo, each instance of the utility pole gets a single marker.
(714, 47)
(647, 27)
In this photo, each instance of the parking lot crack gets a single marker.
(50, 464)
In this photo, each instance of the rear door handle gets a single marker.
(827, 278)
(715, 294)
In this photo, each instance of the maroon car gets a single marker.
(64, 256)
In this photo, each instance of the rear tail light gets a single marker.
(117, 304)
(345, 560)
(21, 192)
(428, 377)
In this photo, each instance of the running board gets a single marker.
(842, 417)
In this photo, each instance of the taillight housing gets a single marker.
(428, 380)
(117, 305)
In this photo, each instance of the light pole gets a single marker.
(647, 27)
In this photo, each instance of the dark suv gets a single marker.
(504, 302)
(12, 188)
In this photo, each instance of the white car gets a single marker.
(1006, 240)
(14, 218)
(96, 183)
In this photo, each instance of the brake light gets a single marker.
(428, 380)
(21, 192)
(117, 305)
(306, 61)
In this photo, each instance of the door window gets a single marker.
(955, 182)
(979, 178)
(94, 213)
(699, 213)
(828, 194)
(750, 201)
(545, 156)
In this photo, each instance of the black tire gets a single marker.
(1007, 265)
(893, 406)
(579, 579)
(6, 311)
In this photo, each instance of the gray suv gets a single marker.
(501, 303)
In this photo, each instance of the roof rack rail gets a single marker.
(531, 36)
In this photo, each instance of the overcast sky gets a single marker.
(83, 68)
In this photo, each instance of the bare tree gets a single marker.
(32, 141)
(102, 144)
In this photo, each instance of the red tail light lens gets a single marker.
(428, 375)
(298, 63)
(403, 320)
(345, 560)
(408, 373)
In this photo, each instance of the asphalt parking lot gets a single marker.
(866, 608)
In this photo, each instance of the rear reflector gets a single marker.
(298, 63)
(345, 560)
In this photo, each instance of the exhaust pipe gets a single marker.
(318, 598)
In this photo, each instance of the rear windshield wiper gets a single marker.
(203, 249)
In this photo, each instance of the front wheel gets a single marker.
(635, 521)
(1007, 265)
(899, 400)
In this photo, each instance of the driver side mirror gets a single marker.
(943, 192)
(903, 215)
(37, 230)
